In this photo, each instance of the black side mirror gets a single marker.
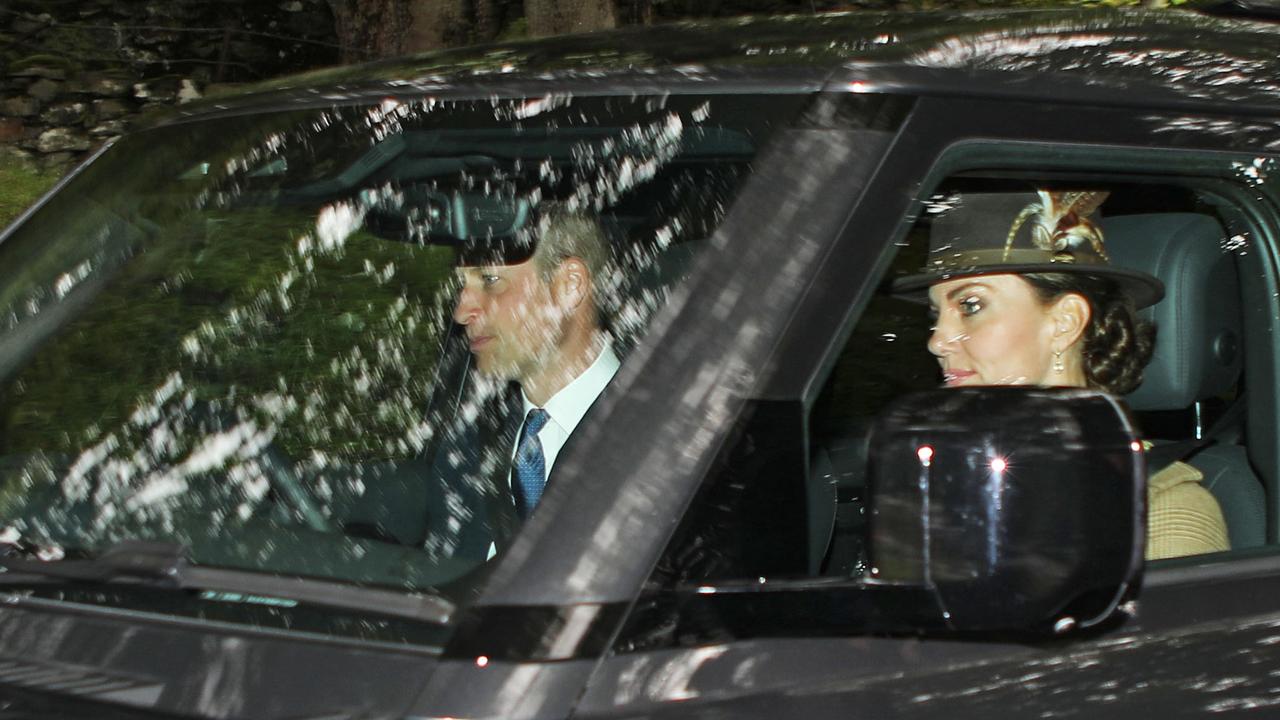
(1017, 508)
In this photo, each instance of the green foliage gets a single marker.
(68, 48)
(335, 348)
(43, 60)
(20, 185)
(517, 29)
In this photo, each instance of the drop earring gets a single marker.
(1058, 366)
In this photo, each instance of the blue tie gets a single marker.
(531, 465)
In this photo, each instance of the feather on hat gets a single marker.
(1044, 231)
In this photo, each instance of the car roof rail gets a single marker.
(1268, 10)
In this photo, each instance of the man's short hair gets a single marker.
(564, 233)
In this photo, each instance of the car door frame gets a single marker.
(811, 676)
(527, 646)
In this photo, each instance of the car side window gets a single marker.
(300, 342)
(786, 498)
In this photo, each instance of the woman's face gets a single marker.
(995, 330)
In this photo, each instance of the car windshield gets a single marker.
(241, 335)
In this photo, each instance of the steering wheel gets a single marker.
(290, 489)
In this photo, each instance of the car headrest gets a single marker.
(1198, 339)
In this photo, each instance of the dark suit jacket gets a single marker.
(473, 505)
(454, 499)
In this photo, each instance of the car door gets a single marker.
(528, 645)
(1196, 641)
(264, 641)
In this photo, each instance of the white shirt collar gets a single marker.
(567, 407)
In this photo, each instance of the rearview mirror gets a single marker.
(420, 214)
(1016, 508)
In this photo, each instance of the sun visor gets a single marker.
(484, 229)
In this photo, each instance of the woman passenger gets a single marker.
(1024, 294)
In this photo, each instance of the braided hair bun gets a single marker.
(1117, 343)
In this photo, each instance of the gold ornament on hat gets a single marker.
(1061, 225)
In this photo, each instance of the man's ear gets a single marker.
(1071, 314)
(571, 283)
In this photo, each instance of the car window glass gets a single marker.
(787, 497)
(242, 336)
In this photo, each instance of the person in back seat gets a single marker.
(1024, 294)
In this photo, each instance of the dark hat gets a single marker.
(1023, 232)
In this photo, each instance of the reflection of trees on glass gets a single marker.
(335, 344)
(251, 328)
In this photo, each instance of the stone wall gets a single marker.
(76, 72)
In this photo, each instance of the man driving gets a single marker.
(537, 323)
(527, 357)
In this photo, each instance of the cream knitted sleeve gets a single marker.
(1183, 518)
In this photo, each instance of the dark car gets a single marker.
(231, 383)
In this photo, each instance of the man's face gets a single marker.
(512, 322)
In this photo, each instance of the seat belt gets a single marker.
(1165, 454)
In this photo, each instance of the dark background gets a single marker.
(76, 73)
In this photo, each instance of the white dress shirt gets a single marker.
(567, 407)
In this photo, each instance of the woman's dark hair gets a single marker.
(1117, 344)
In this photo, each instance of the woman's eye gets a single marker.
(489, 280)
(970, 306)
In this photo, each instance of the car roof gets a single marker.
(1150, 57)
